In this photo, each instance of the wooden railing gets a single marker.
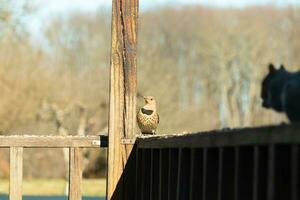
(240, 164)
(75, 145)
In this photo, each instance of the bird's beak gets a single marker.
(145, 99)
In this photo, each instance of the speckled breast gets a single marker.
(147, 123)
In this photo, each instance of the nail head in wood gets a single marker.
(127, 141)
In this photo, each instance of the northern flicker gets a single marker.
(147, 116)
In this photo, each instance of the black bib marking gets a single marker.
(146, 112)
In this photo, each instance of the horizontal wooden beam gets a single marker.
(282, 134)
(34, 141)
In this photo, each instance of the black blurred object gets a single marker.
(281, 92)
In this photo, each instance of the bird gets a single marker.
(147, 116)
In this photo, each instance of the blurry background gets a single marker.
(203, 60)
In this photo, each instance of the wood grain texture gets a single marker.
(16, 173)
(34, 141)
(75, 176)
(122, 114)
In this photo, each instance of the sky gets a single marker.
(46, 9)
(63, 5)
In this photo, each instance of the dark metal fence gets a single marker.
(241, 164)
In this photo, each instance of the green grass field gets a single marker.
(90, 187)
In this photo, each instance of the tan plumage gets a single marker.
(147, 116)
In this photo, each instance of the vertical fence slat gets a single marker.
(142, 182)
(75, 170)
(178, 174)
(192, 173)
(220, 173)
(295, 172)
(236, 172)
(173, 174)
(204, 170)
(16, 173)
(146, 176)
(160, 174)
(155, 174)
(255, 171)
(151, 173)
(169, 173)
(164, 186)
(271, 171)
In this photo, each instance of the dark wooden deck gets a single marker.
(239, 164)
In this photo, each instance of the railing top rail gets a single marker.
(36, 141)
(280, 134)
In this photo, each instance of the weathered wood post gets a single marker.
(16, 173)
(122, 113)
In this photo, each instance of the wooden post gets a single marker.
(75, 173)
(16, 173)
(122, 114)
